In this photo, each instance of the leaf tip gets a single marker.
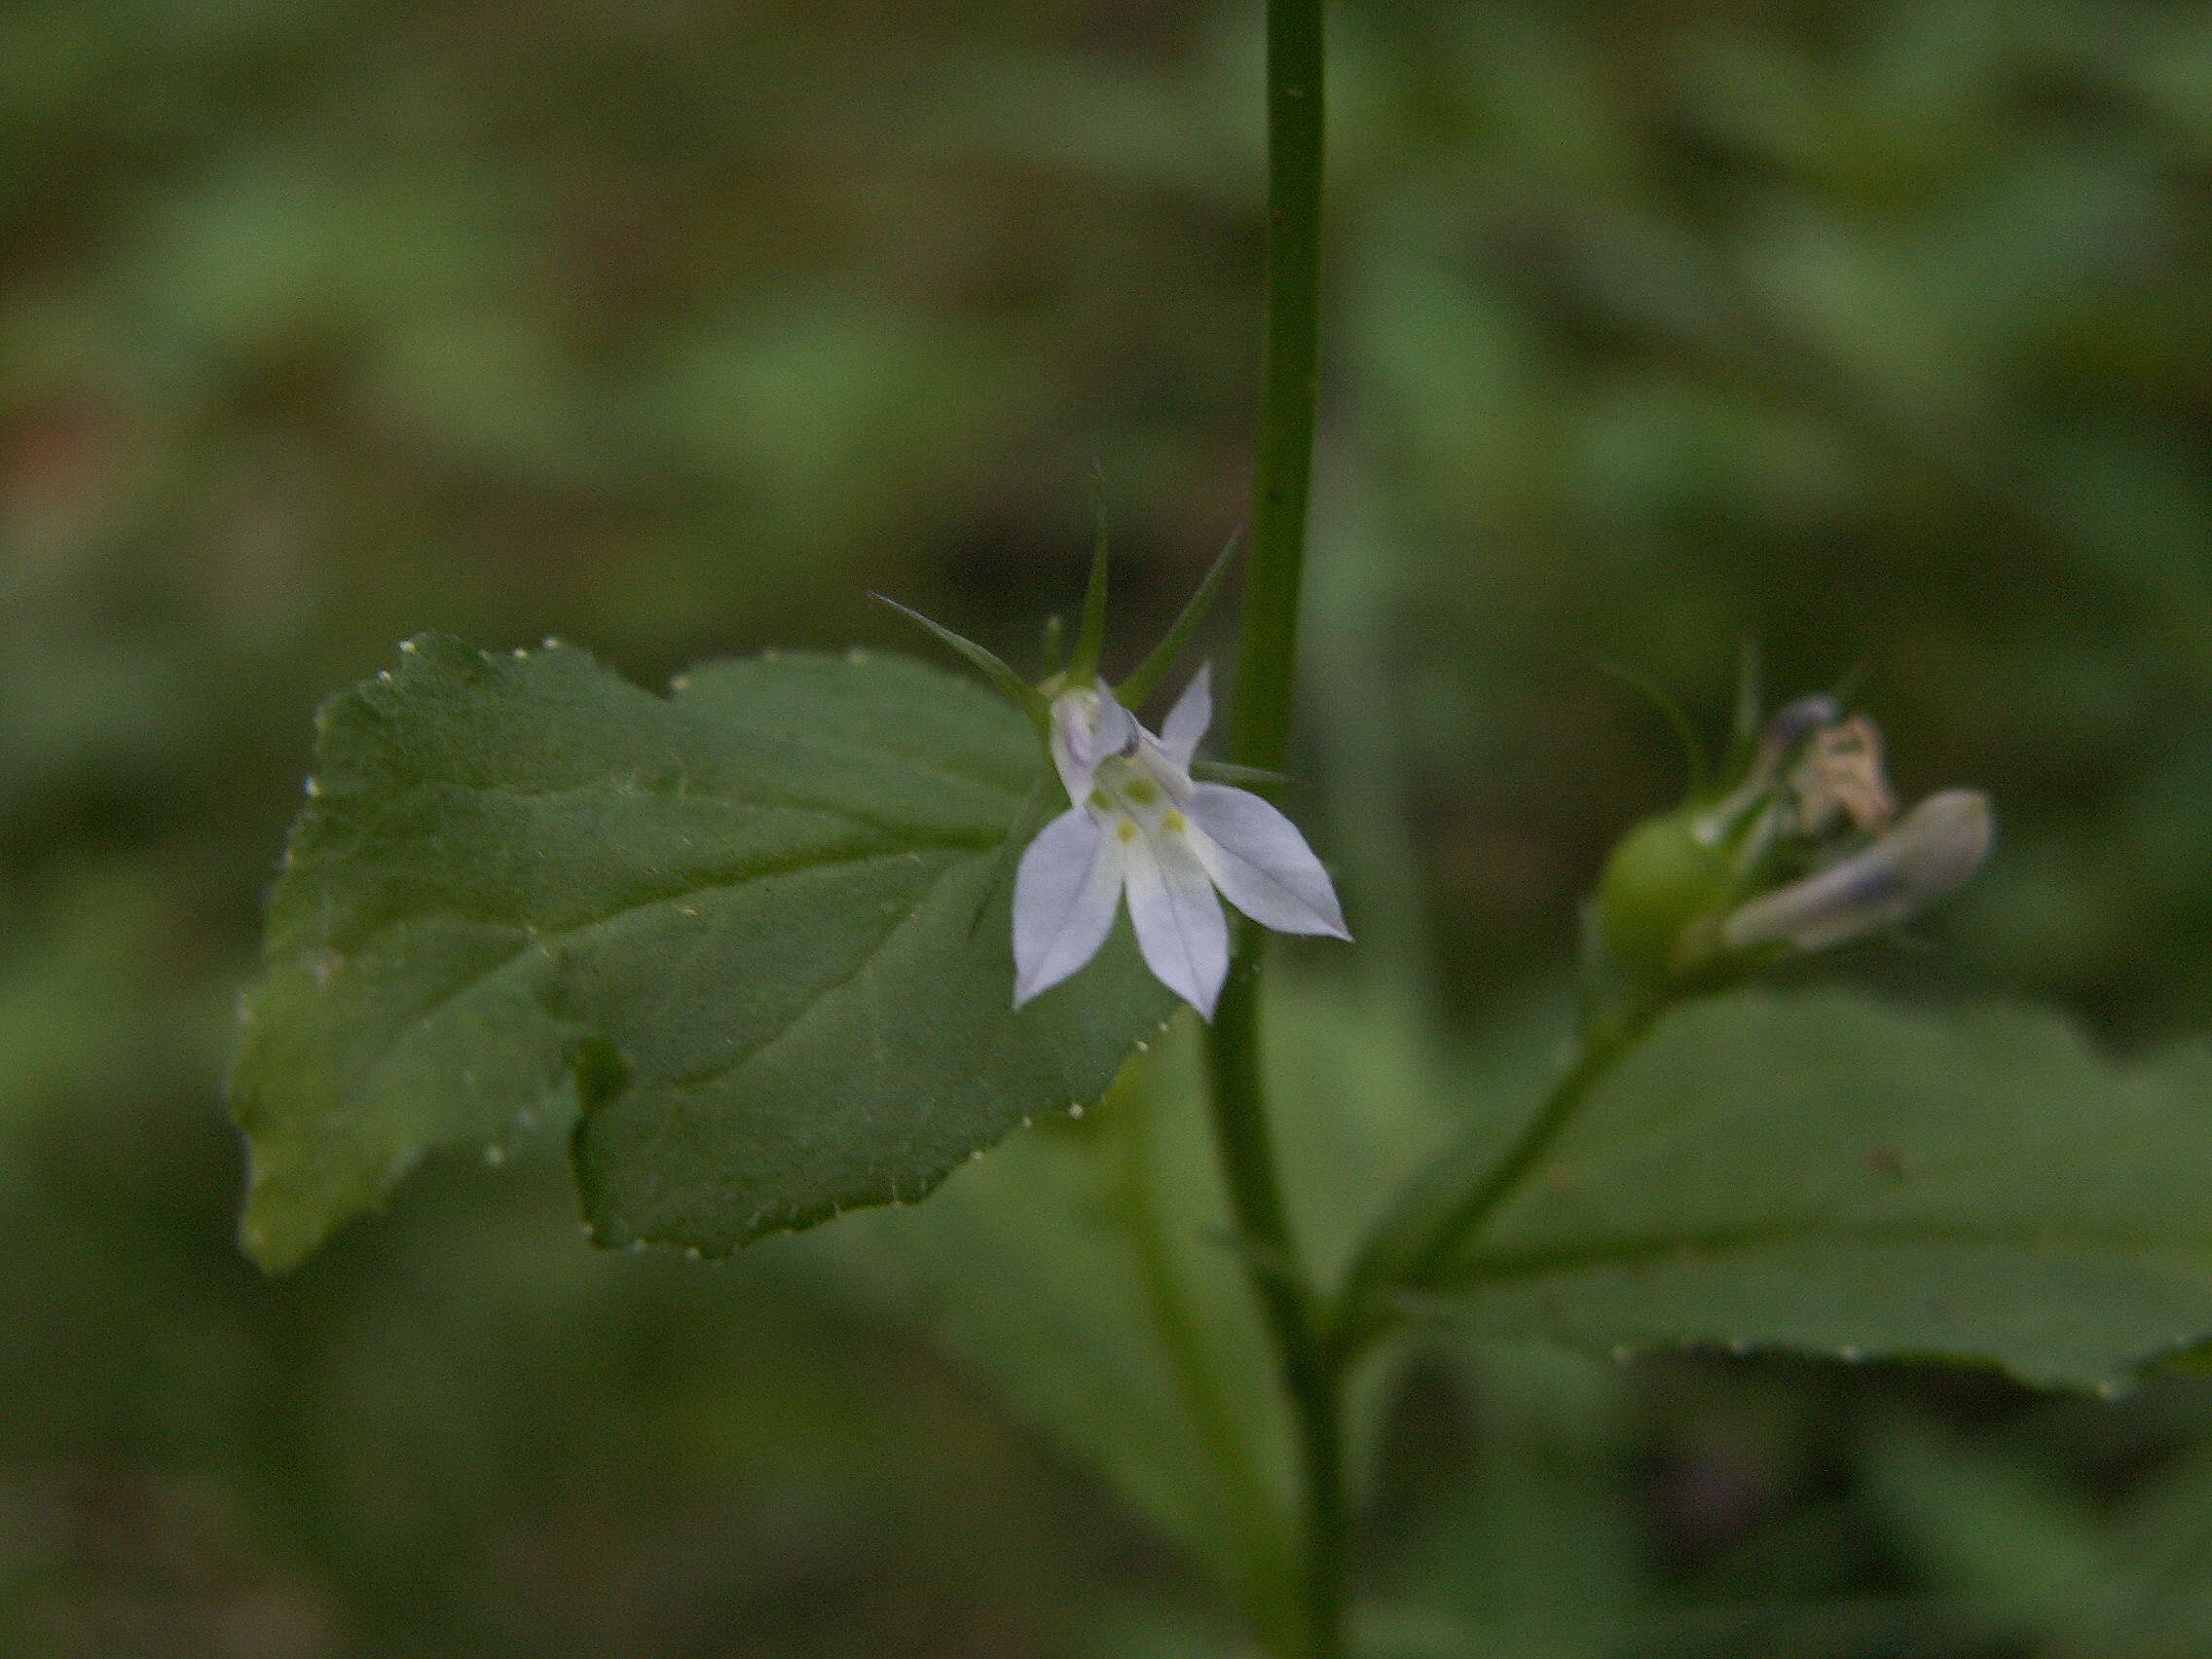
(270, 1245)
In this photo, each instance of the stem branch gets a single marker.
(1461, 1190)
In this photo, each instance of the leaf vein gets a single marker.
(1688, 1248)
(543, 940)
(782, 801)
(868, 960)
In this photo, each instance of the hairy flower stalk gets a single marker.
(1139, 827)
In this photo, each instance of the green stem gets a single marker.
(1260, 737)
(1464, 1187)
(1312, 1370)
(1290, 377)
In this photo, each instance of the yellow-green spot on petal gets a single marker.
(1143, 792)
(1175, 823)
(1126, 829)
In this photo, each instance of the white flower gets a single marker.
(1140, 826)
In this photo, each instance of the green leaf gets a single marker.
(1084, 1270)
(1536, 1545)
(1088, 1270)
(1995, 1529)
(1825, 1172)
(750, 941)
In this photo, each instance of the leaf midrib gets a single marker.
(711, 798)
(1688, 1249)
(546, 940)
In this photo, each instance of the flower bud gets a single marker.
(1933, 848)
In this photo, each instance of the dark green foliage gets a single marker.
(1874, 331)
(1829, 1174)
(750, 939)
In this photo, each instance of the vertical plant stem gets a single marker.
(1290, 377)
(1260, 736)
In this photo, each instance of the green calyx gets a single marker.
(1671, 882)
(1663, 885)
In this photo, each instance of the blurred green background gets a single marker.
(1879, 333)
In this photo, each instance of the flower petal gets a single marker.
(1072, 755)
(1088, 726)
(1261, 864)
(1116, 729)
(1180, 926)
(1065, 898)
(1188, 720)
(1934, 847)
